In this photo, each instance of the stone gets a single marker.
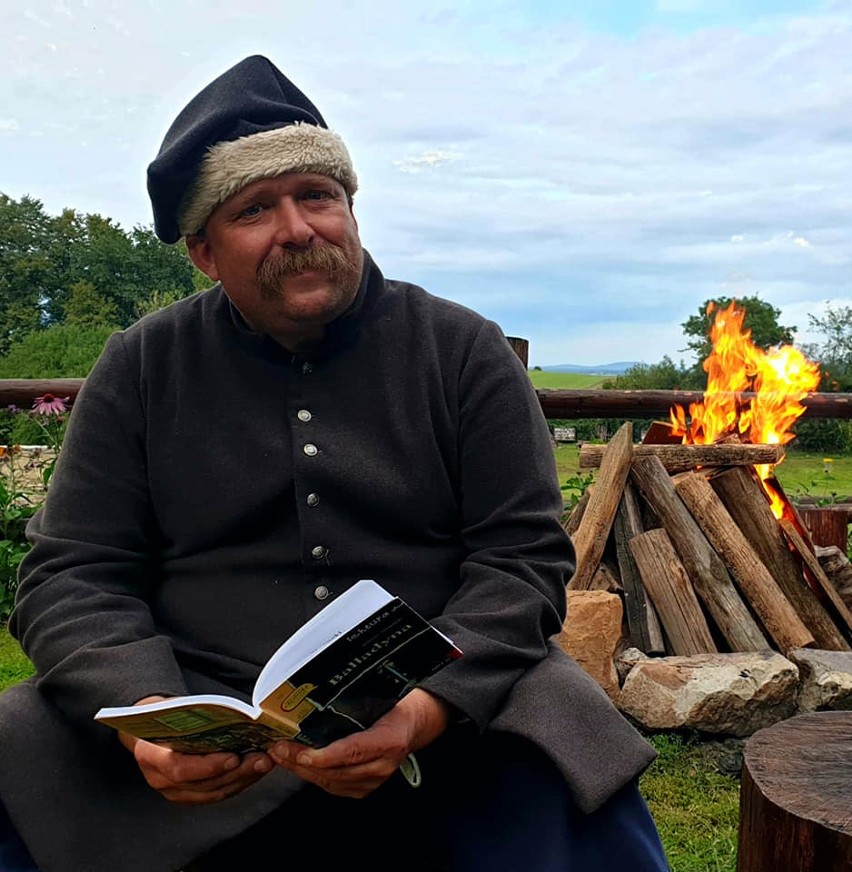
(733, 694)
(825, 679)
(592, 633)
(626, 660)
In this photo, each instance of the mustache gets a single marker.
(325, 258)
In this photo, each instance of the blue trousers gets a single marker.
(495, 804)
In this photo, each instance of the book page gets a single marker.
(347, 611)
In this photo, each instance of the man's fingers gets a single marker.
(199, 778)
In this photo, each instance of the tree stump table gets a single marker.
(796, 796)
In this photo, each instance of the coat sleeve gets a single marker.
(518, 559)
(82, 613)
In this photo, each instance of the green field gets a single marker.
(569, 381)
(801, 474)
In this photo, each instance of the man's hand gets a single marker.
(194, 778)
(357, 765)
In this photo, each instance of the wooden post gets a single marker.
(521, 347)
(795, 796)
(828, 525)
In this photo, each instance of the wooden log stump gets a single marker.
(796, 796)
(828, 525)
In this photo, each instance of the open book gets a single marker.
(339, 673)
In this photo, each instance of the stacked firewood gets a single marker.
(686, 534)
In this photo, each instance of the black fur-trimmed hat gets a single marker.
(250, 123)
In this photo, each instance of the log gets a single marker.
(660, 433)
(677, 458)
(709, 576)
(606, 579)
(836, 566)
(828, 525)
(744, 498)
(657, 404)
(812, 563)
(642, 622)
(590, 538)
(753, 578)
(668, 585)
(572, 522)
(795, 796)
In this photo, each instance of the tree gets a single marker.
(662, 376)
(43, 258)
(835, 352)
(761, 318)
(61, 351)
(87, 308)
(33, 255)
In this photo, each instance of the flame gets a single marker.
(780, 379)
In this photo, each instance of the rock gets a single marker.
(625, 661)
(591, 634)
(736, 694)
(825, 679)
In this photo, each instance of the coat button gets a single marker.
(321, 592)
(310, 450)
(304, 415)
(319, 552)
(312, 500)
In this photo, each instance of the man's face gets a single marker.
(287, 253)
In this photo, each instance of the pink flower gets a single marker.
(47, 404)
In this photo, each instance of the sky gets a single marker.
(586, 174)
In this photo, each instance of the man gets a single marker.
(238, 458)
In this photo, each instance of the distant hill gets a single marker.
(617, 368)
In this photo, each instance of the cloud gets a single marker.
(428, 160)
(568, 182)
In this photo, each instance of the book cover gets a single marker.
(337, 674)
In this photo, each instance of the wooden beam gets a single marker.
(22, 391)
(657, 404)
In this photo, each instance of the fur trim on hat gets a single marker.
(229, 166)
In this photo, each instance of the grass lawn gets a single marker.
(695, 805)
(801, 474)
(568, 381)
(14, 666)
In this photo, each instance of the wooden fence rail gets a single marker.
(555, 403)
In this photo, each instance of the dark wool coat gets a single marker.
(213, 487)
